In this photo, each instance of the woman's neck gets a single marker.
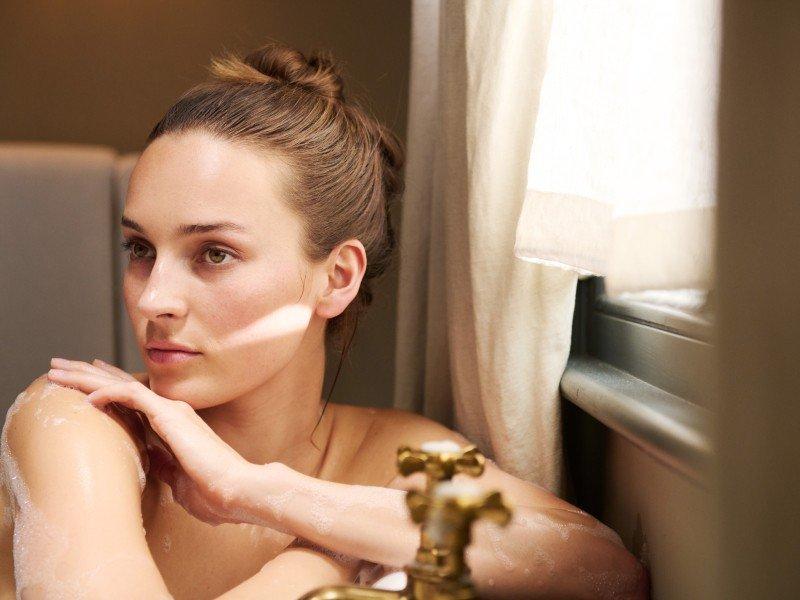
(274, 422)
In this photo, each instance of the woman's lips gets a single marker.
(170, 356)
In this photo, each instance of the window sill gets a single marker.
(697, 325)
(674, 431)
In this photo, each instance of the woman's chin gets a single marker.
(173, 387)
(186, 389)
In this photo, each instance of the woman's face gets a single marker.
(242, 296)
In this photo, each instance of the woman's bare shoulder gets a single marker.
(397, 427)
(386, 429)
(389, 428)
(50, 426)
(394, 428)
(74, 478)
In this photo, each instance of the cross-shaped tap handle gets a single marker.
(440, 461)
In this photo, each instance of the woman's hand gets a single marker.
(204, 472)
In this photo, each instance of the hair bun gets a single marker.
(276, 61)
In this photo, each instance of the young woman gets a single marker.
(255, 219)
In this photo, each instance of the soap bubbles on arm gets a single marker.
(74, 479)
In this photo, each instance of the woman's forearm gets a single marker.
(548, 553)
(291, 574)
(367, 522)
(552, 553)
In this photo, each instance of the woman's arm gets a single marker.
(549, 550)
(76, 481)
(294, 572)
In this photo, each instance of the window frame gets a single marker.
(646, 372)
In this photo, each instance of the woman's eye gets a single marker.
(136, 250)
(216, 255)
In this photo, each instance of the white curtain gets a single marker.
(576, 135)
(483, 337)
(622, 174)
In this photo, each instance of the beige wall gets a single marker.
(103, 72)
(759, 307)
(664, 518)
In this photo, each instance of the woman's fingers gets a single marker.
(169, 419)
(103, 387)
(113, 370)
(173, 421)
(96, 366)
(82, 379)
(130, 394)
(202, 469)
(76, 365)
(198, 449)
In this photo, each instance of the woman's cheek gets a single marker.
(265, 344)
(254, 335)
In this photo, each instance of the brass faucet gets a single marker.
(440, 461)
(446, 510)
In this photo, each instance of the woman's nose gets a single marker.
(162, 295)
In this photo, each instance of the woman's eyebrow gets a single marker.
(191, 229)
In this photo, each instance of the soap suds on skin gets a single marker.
(35, 541)
(278, 502)
(550, 555)
(165, 495)
(499, 553)
(137, 460)
(322, 506)
(321, 521)
(49, 419)
(608, 582)
(40, 546)
(564, 529)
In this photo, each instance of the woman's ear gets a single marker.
(345, 269)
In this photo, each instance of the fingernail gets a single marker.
(58, 361)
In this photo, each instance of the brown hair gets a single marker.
(345, 164)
